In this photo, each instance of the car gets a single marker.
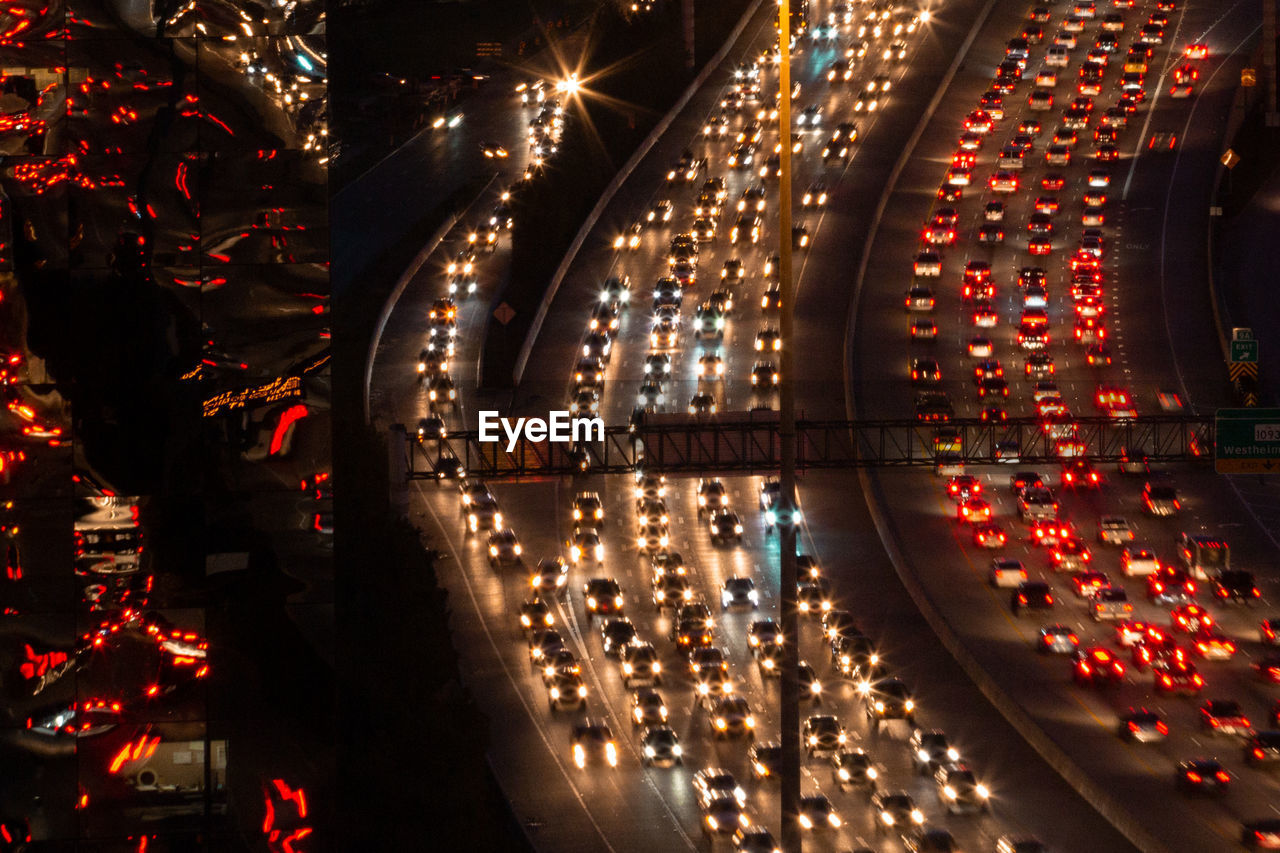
(823, 736)
(754, 839)
(766, 760)
(1079, 473)
(1190, 618)
(1007, 572)
(1223, 716)
(1209, 644)
(1096, 665)
(725, 526)
(1143, 726)
(602, 597)
(566, 691)
(1138, 560)
(1174, 676)
(928, 263)
(1057, 639)
(1234, 585)
(924, 330)
(724, 815)
(660, 747)
(855, 656)
(817, 812)
(1030, 595)
(1069, 555)
(504, 548)
(648, 708)
(815, 195)
(730, 716)
(1089, 583)
(713, 783)
(535, 614)
(544, 645)
(1114, 530)
(1110, 603)
(923, 839)
(593, 739)
(739, 592)
(920, 298)
(1019, 844)
(930, 749)
(1201, 776)
(639, 664)
(895, 810)
(887, 699)
(1262, 748)
(958, 789)
(616, 634)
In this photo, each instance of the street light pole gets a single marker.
(789, 715)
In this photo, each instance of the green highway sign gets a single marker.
(1247, 441)
(1244, 351)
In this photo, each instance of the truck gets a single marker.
(1205, 557)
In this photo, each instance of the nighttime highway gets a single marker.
(998, 217)
(823, 425)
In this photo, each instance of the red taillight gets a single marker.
(1074, 639)
(1197, 680)
(1133, 727)
(1193, 776)
(1222, 776)
(1162, 728)
(1258, 753)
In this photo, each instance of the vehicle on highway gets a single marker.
(593, 739)
(895, 810)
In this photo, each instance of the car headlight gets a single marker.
(815, 688)
(887, 818)
(703, 688)
(767, 663)
(982, 791)
(805, 822)
(599, 553)
(711, 822)
(922, 755)
(582, 690)
(753, 595)
(834, 820)
(917, 816)
(591, 602)
(650, 751)
(626, 668)
(953, 754)
(949, 792)
(879, 707)
(518, 549)
(617, 601)
(911, 706)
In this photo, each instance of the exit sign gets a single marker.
(1244, 351)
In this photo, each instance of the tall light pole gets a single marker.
(790, 688)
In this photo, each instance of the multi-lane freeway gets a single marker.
(632, 807)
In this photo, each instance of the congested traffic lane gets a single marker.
(1081, 722)
(493, 137)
